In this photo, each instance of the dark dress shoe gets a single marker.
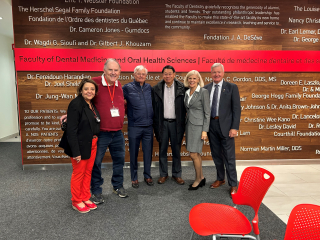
(178, 180)
(135, 184)
(161, 180)
(233, 190)
(202, 183)
(194, 188)
(149, 181)
(217, 184)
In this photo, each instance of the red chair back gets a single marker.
(304, 223)
(253, 186)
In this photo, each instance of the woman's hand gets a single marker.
(63, 117)
(78, 159)
(204, 136)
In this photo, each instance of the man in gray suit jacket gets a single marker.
(224, 126)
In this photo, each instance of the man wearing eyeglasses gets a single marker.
(140, 119)
(169, 122)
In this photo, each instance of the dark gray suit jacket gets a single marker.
(229, 107)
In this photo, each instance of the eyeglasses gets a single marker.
(141, 74)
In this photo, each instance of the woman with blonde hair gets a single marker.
(197, 104)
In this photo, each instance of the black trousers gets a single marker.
(223, 153)
(169, 132)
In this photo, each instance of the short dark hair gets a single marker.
(83, 82)
(168, 67)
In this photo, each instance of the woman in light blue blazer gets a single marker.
(197, 103)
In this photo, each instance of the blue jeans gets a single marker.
(115, 142)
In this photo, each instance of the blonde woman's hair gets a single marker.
(193, 72)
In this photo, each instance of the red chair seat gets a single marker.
(304, 223)
(218, 219)
(210, 218)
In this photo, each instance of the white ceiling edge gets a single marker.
(6, 24)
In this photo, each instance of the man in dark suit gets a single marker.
(224, 125)
(169, 122)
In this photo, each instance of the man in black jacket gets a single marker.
(169, 122)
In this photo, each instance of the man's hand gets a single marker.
(62, 118)
(233, 133)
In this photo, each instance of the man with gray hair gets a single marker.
(224, 126)
(110, 104)
(140, 120)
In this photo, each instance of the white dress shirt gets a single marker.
(169, 111)
(188, 93)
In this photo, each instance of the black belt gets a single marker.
(215, 118)
(169, 120)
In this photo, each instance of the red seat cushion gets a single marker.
(210, 218)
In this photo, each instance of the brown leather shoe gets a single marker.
(161, 180)
(135, 184)
(178, 180)
(217, 184)
(233, 190)
(149, 181)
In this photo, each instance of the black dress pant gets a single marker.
(223, 153)
(169, 132)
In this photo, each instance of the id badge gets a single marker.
(114, 112)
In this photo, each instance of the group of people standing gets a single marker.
(169, 109)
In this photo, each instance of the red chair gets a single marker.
(225, 221)
(304, 223)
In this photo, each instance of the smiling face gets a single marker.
(217, 74)
(112, 72)
(193, 81)
(140, 76)
(88, 91)
(168, 76)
